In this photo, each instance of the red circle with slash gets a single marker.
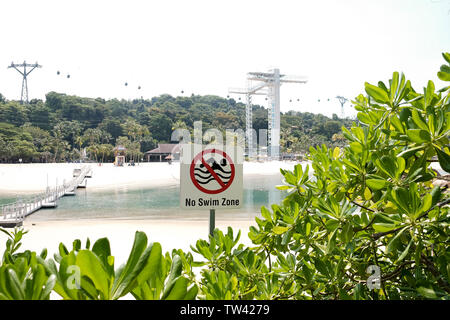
(199, 158)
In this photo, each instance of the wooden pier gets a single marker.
(13, 214)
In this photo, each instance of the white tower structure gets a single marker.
(342, 101)
(267, 83)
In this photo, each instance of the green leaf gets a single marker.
(92, 267)
(445, 68)
(175, 272)
(332, 242)
(179, 289)
(435, 195)
(377, 184)
(417, 118)
(283, 187)
(405, 114)
(393, 241)
(154, 262)
(266, 213)
(405, 252)
(308, 229)
(394, 86)
(444, 159)
(378, 94)
(388, 165)
(347, 232)
(191, 293)
(429, 93)
(63, 250)
(418, 135)
(321, 267)
(446, 56)
(102, 249)
(364, 118)
(14, 286)
(336, 152)
(280, 229)
(135, 263)
(367, 194)
(409, 152)
(49, 285)
(427, 292)
(426, 204)
(384, 227)
(444, 76)
(356, 147)
(401, 163)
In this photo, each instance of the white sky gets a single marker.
(206, 47)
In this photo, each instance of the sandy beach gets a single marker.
(23, 179)
(34, 178)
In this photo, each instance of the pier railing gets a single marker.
(13, 214)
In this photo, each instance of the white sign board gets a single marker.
(211, 177)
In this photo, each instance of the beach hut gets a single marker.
(164, 152)
(119, 154)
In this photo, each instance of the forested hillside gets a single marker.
(57, 129)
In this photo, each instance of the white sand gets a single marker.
(33, 178)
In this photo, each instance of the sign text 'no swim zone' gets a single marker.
(211, 177)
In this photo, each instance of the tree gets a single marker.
(41, 116)
(42, 141)
(161, 127)
(94, 150)
(106, 151)
(67, 130)
(60, 149)
(93, 136)
(134, 130)
(79, 140)
(112, 127)
(14, 113)
(331, 127)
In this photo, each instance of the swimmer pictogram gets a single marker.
(212, 171)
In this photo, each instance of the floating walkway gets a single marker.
(13, 214)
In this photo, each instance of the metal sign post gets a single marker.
(212, 221)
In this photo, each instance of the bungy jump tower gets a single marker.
(268, 84)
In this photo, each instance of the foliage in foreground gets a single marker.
(375, 207)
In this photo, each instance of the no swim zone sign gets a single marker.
(210, 177)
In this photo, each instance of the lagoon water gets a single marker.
(160, 203)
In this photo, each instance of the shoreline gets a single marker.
(177, 232)
(28, 179)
